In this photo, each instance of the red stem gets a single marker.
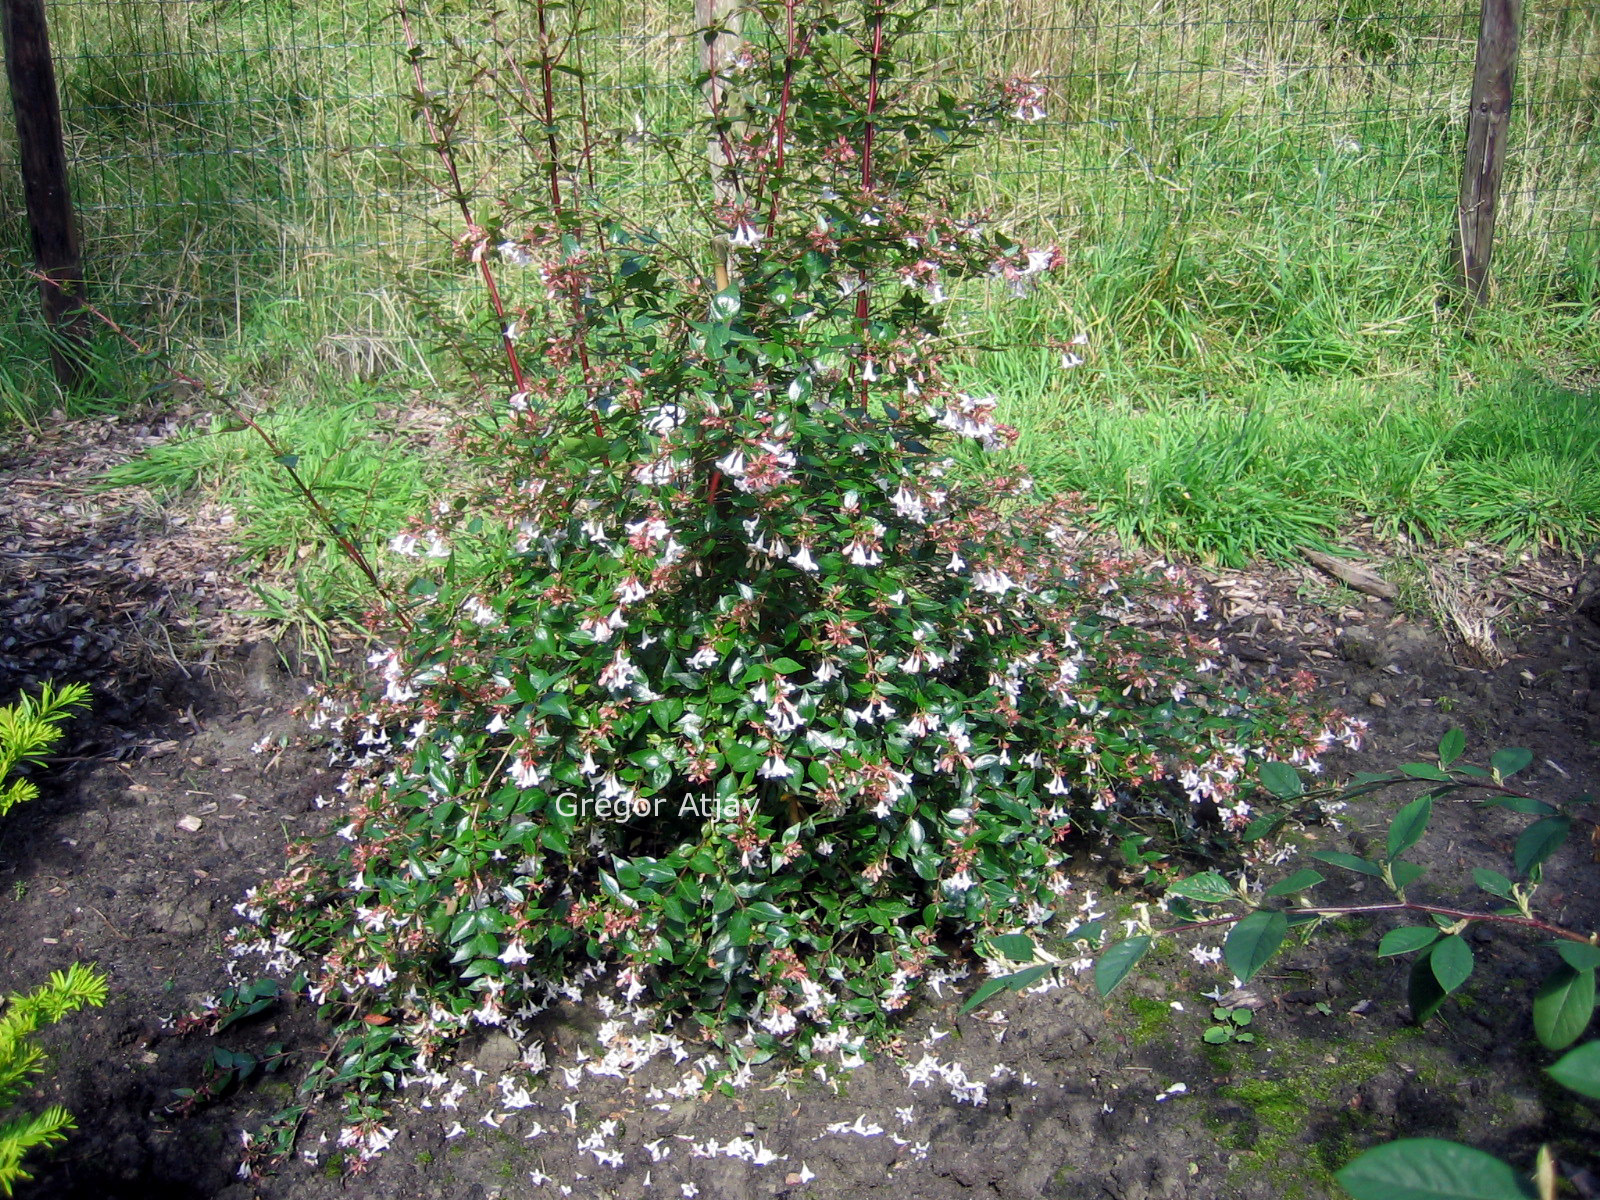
(546, 71)
(781, 127)
(459, 193)
(872, 97)
(547, 79)
(1407, 906)
(862, 308)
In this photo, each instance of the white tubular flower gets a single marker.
(997, 582)
(908, 505)
(479, 613)
(665, 419)
(630, 590)
(961, 881)
(776, 767)
(526, 773)
(862, 555)
(515, 253)
(619, 673)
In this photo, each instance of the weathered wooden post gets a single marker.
(43, 160)
(718, 26)
(1488, 126)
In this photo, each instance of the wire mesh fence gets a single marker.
(231, 158)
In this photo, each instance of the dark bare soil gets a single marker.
(1078, 1094)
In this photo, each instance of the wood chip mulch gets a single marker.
(110, 587)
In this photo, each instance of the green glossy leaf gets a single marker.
(1262, 827)
(1405, 874)
(1509, 761)
(1451, 746)
(1338, 858)
(1282, 780)
(1253, 941)
(1492, 882)
(1114, 965)
(1089, 932)
(1018, 947)
(1451, 961)
(1423, 991)
(1523, 804)
(1563, 1006)
(1580, 956)
(1207, 887)
(1217, 1034)
(1539, 841)
(990, 988)
(1424, 771)
(1431, 1169)
(1027, 978)
(1407, 939)
(1408, 826)
(1300, 881)
(1580, 1070)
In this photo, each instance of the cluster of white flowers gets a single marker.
(429, 544)
(515, 253)
(972, 417)
(1029, 96)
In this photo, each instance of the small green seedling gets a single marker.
(1232, 1025)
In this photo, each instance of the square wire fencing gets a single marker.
(236, 163)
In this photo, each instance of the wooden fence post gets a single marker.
(43, 160)
(1487, 128)
(715, 50)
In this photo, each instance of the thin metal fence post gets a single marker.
(43, 159)
(1487, 128)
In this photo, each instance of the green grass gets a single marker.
(1256, 211)
(349, 445)
(1288, 462)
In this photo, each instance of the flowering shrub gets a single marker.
(725, 677)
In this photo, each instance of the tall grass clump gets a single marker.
(231, 154)
(722, 680)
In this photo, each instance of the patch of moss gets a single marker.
(1151, 1018)
(1293, 1128)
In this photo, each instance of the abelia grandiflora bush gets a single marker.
(726, 678)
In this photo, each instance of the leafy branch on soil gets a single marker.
(1563, 1005)
(29, 728)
